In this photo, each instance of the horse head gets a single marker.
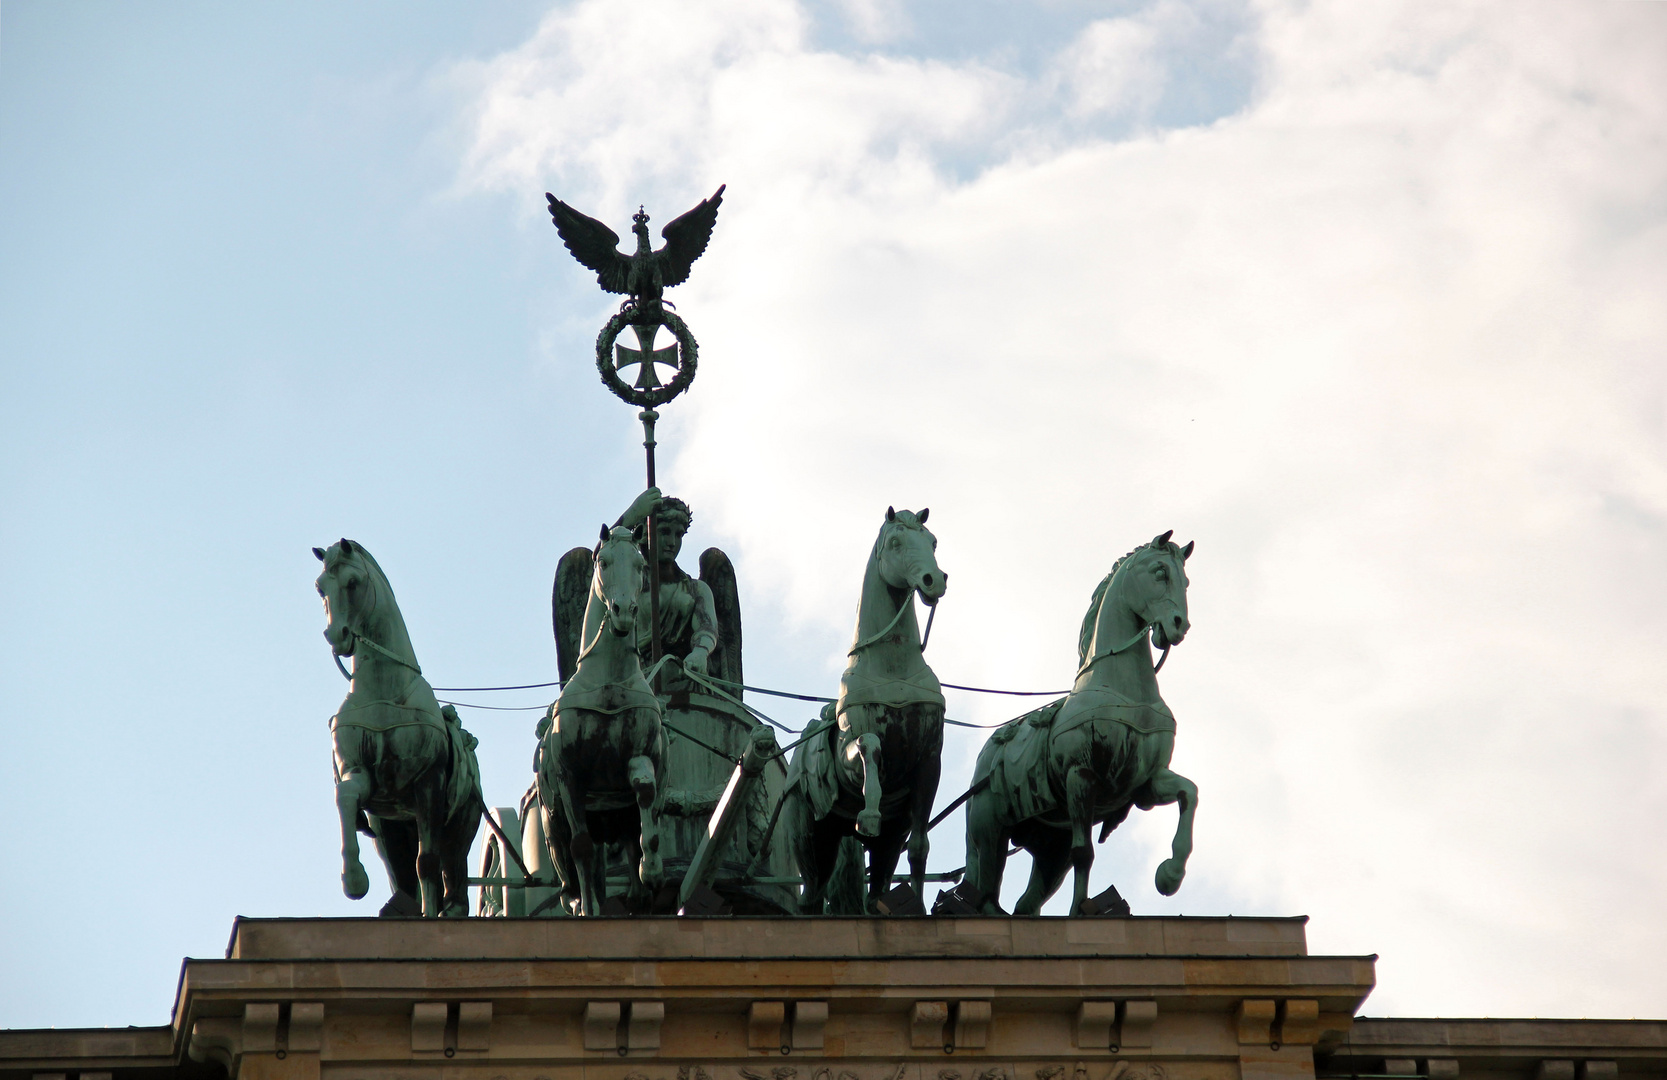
(348, 588)
(617, 581)
(906, 552)
(1152, 581)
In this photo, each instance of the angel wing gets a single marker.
(567, 608)
(686, 238)
(596, 245)
(719, 576)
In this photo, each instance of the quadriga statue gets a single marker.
(1044, 780)
(874, 773)
(700, 630)
(406, 772)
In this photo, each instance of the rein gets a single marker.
(1125, 647)
(908, 602)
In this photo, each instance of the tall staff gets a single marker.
(643, 277)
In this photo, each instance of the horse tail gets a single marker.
(846, 891)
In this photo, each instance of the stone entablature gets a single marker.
(780, 999)
(1504, 1049)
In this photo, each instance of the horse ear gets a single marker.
(891, 513)
(1186, 552)
(921, 517)
(347, 546)
(604, 531)
(639, 532)
(320, 553)
(1160, 541)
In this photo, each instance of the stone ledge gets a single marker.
(669, 937)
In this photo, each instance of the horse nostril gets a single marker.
(926, 579)
(1177, 622)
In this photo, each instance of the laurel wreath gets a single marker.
(687, 356)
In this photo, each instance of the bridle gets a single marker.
(875, 639)
(359, 637)
(1125, 647)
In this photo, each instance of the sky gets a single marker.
(1365, 300)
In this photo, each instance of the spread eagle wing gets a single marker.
(686, 238)
(594, 244)
(567, 608)
(719, 576)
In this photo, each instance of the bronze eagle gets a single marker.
(645, 275)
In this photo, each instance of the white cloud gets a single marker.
(1387, 344)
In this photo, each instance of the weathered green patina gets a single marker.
(706, 729)
(601, 757)
(875, 773)
(1045, 779)
(406, 772)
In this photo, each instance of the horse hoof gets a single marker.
(868, 822)
(355, 882)
(1169, 875)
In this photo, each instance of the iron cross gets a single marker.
(646, 357)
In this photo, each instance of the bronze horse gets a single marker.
(1045, 779)
(405, 769)
(875, 774)
(601, 757)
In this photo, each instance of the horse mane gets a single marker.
(1085, 636)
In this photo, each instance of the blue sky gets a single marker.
(1365, 302)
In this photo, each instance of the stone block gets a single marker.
(1300, 1026)
(1400, 1066)
(642, 1025)
(260, 1027)
(927, 1023)
(1095, 1021)
(1589, 1070)
(1443, 1068)
(474, 1025)
(306, 1027)
(972, 1024)
(1256, 1018)
(809, 1018)
(1555, 1069)
(428, 1027)
(1134, 1031)
(765, 1023)
(602, 1025)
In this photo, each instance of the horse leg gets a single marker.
(920, 805)
(396, 843)
(352, 792)
(801, 843)
(1171, 787)
(458, 836)
(640, 771)
(1050, 858)
(882, 860)
(986, 852)
(580, 847)
(428, 865)
(864, 750)
(1079, 805)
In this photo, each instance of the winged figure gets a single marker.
(646, 274)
